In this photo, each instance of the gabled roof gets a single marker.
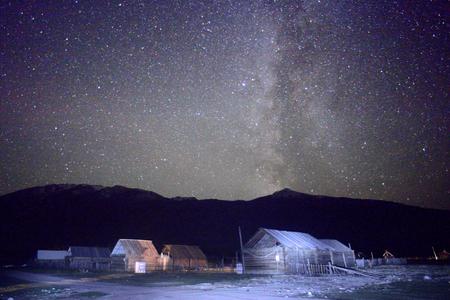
(76, 251)
(184, 251)
(336, 245)
(130, 247)
(290, 239)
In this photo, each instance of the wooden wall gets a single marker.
(89, 263)
(174, 264)
(122, 263)
(52, 263)
(291, 260)
(344, 259)
(263, 260)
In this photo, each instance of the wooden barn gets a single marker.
(272, 251)
(341, 255)
(51, 258)
(183, 257)
(135, 256)
(88, 258)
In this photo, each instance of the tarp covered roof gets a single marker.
(76, 251)
(290, 239)
(184, 251)
(336, 245)
(130, 247)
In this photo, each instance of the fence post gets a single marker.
(345, 261)
(242, 250)
(308, 266)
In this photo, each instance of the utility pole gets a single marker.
(242, 250)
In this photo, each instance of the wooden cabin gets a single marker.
(183, 257)
(88, 258)
(272, 251)
(341, 255)
(135, 256)
(51, 258)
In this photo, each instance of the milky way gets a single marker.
(228, 99)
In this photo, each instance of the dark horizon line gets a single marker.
(286, 189)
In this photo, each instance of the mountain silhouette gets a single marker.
(57, 216)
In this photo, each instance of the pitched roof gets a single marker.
(76, 251)
(51, 254)
(336, 245)
(132, 247)
(290, 239)
(184, 251)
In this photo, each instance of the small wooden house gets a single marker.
(135, 256)
(88, 258)
(183, 257)
(272, 251)
(51, 258)
(341, 255)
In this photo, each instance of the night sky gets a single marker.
(228, 99)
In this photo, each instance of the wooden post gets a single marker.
(434, 252)
(331, 256)
(329, 267)
(242, 251)
(308, 265)
(345, 261)
(371, 262)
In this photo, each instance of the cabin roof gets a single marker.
(51, 254)
(131, 247)
(290, 239)
(76, 251)
(336, 245)
(184, 251)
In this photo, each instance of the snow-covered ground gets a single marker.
(389, 282)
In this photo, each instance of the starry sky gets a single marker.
(228, 99)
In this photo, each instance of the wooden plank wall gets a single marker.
(294, 260)
(344, 259)
(264, 261)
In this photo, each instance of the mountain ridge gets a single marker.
(283, 193)
(57, 216)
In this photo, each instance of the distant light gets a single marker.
(277, 258)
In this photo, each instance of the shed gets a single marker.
(88, 258)
(272, 251)
(128, 254)
(183, 257)
(51, 258)
(341, 255)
